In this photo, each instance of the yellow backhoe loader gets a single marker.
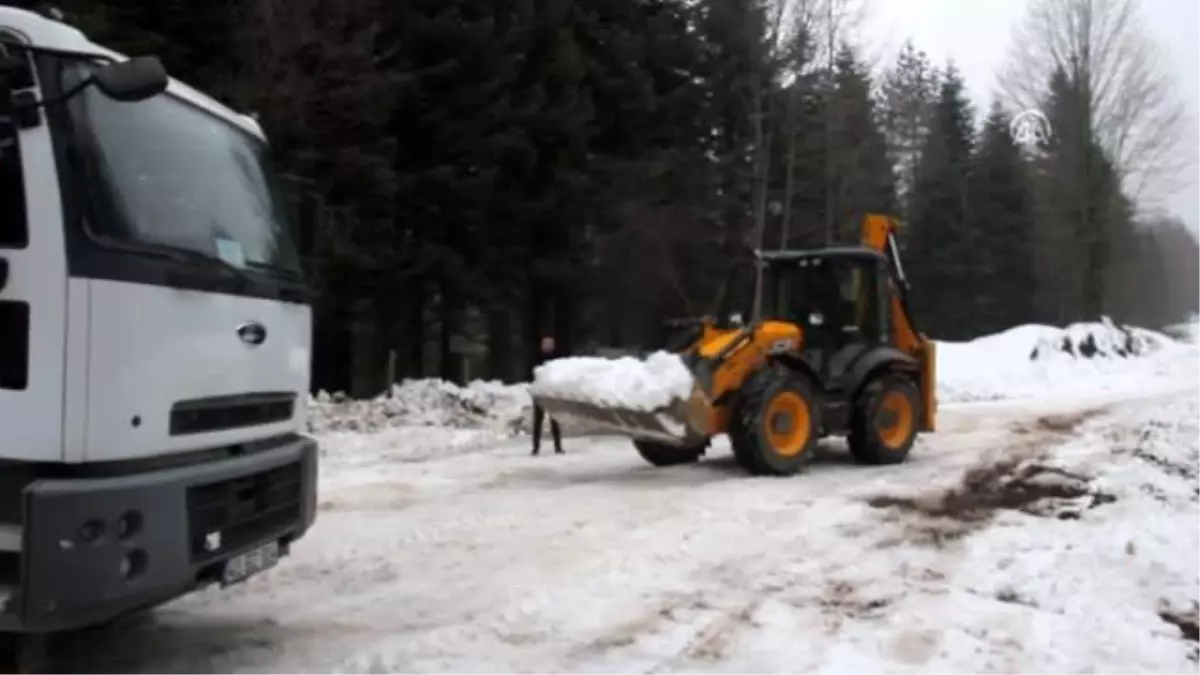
(831, 350)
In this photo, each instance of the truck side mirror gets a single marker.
(3, 273)
(137, 79)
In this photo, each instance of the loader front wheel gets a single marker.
(660, 454)
(884, 426)
(775, 426)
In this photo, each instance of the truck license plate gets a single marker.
(241, 567)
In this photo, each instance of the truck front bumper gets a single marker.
(94, 549)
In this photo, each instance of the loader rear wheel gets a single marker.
(775, 423)
(660, 454)
(884, 427)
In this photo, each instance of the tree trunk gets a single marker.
(534, 313)
(366, 353)
(450, 310)
(564, 319)
(499, 357)
(411, 341)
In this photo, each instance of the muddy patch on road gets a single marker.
(1188, 623)
(1021, 481)
(1033, 488)
(844, 600)
(1050, 426)
(1027, 486)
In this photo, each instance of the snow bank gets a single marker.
(1186, 331)
(1037, 360)
(424, 403)
(1103, 340)
(624, 382)
(1024, 362)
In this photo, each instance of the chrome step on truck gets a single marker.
(155, 336)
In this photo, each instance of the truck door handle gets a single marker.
(3, 273)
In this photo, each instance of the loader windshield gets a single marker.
(792, 291)
(841, 290)
(168, 173)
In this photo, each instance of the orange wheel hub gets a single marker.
(788, 421)
(895, 420)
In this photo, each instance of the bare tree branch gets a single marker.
(1136, 114)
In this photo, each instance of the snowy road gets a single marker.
(1019, 538)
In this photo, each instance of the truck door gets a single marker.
(32, 282)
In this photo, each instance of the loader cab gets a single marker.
(839, 297)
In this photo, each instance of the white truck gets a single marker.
(155, 338)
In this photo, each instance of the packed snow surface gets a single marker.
(1049, 529)
(1043, 536)
(624, 382)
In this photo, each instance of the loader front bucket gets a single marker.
(683, 422)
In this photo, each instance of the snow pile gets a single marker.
(624, 382)
(424, 403)
(1035, 361)
(1186, 331)
(1103, 340)
(1031, 361)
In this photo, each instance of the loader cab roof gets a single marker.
(842, 252)
(48, 33)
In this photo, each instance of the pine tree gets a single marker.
(736, 72)
(648, 170)
(460, 125)
(862, 174)
(325, 104)
(800, 152)
(907, 95)
(1001, 214)
(941, 249)
(1082, 213)
(197, 42)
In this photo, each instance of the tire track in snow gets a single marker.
(1030, 435)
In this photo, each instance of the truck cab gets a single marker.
(155, 338)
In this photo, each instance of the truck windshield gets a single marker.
(171, 174)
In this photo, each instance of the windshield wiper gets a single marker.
(273, 269)
(189, 255)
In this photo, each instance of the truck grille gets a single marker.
(232, 513)
(204, 415)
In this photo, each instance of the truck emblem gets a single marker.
(212, 541)
(252, 333)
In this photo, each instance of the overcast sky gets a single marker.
(977, 33)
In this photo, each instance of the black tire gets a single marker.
(769, 434)
(660, 454)
(885, 435)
